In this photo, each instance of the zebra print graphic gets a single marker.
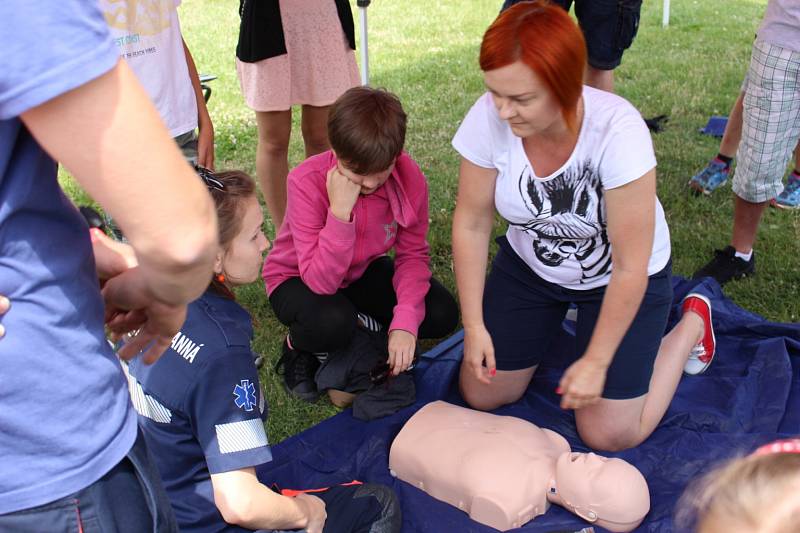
(569, 219)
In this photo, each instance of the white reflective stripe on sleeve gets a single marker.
(146, 405)
(241, 436)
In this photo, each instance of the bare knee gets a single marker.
(482, 402)
(485, 397)
(274, 148)
(315, 141)
(314, 127)
(274, 131)
(608, 440)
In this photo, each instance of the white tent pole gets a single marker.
(665, 15)
(362, 11)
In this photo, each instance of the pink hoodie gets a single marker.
(328, 254)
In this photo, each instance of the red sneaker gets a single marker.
(703, 352)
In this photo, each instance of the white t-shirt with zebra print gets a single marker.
(557, 223)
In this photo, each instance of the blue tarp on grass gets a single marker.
(749, 396)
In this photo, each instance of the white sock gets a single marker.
(746, 257)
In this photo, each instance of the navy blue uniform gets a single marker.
(202, 408)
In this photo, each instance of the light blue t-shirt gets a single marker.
(65, 413)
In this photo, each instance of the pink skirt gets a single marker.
(318, 65)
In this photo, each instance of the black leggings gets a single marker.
(326, 322)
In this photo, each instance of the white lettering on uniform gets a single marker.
(184, 346)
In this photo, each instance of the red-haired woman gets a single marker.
(572, 170)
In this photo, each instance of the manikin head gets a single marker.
(608, 492)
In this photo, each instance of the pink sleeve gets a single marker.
(412, 275)
(323, 243)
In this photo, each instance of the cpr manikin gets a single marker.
(504, 471)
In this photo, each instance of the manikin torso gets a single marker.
(502, 470)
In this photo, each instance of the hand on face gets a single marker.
(342, 194)
(402, 345)
(582, 383)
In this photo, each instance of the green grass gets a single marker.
(426, 52)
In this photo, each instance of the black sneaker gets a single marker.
(726, 266)
(298, 369)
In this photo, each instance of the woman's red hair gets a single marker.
(548, 41)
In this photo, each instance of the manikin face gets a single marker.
(595, 488)
(370, 182)
(523, 100)
(241, 262)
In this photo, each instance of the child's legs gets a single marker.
(642, 379)
(441, 312)
(771, 123)
(733, 129)
(374, 295)
(272, 160)
(317, 322)
(314, 125)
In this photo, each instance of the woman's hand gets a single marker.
(314, 509)
(342, 194)
(5, 304)
(582, 383)
(478, 349)
(402, 345)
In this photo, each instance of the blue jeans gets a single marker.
(129, 498)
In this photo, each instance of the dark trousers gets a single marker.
(363, 508)
(324, 323)
(128, 499)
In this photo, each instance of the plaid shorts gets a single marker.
(771, 122)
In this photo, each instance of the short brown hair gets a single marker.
(367, 129)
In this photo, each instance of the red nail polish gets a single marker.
(559, 390)
(492, 372)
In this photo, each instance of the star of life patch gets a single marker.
(245, 395)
